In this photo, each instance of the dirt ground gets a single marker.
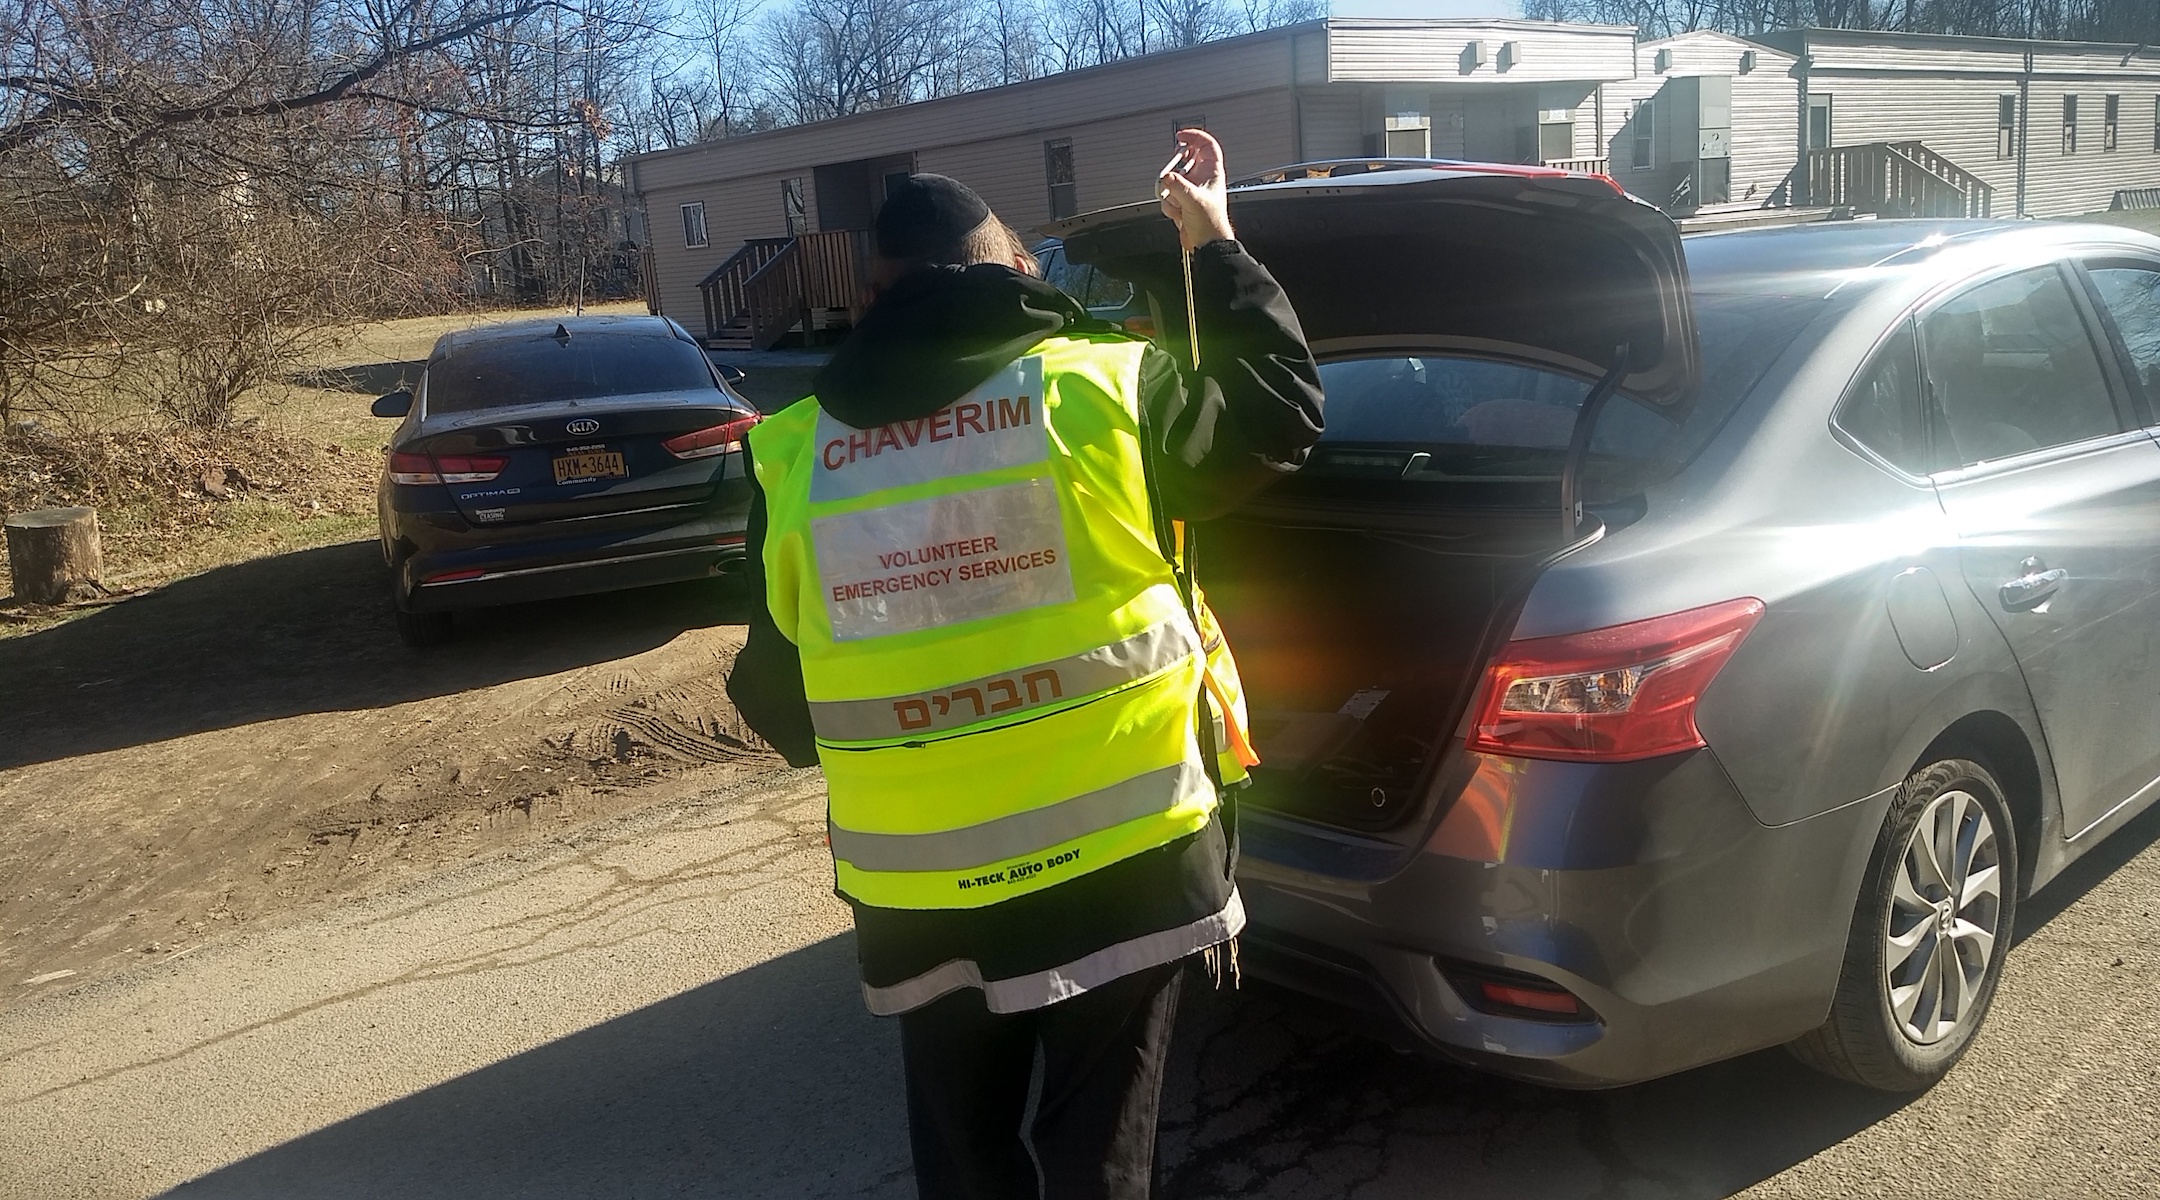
(255, 738)
(247, 735)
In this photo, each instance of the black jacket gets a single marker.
(1250, 417)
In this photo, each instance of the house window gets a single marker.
(2110, 116)
(1644, 122)
(1818, 122)
(2069, 125)
(693, 224)
(1058, 172)
(791, 206)
(1555, 134)
(2006, 126)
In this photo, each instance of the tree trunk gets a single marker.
(54, 555)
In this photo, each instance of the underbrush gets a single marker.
(172, 501)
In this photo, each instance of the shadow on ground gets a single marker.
(774, 1083)
(309, 631)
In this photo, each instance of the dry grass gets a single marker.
(297, 470)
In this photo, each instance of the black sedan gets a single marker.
(550, 458)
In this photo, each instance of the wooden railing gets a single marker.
(1980, 196)
(1896, 179)
(813, 271)
(1588, 166)
(723, 290)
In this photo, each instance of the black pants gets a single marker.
(968, 1071)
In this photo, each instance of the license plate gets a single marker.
(591, 464)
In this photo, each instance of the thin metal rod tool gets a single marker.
(1179, 163)
(1192, 327)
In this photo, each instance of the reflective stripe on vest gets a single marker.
(1023, 993)
(1022, 833)
(1004, 683)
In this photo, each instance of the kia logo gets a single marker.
(581, 427)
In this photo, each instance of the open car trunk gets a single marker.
(1466, 319)
(1362, 633)
(1360, 649)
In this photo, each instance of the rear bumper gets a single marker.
(550, 581)
(446, 565)
(1689, 930)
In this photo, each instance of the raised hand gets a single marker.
(1194, 189)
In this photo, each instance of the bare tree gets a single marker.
(190, 187)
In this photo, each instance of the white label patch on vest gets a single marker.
(999, 424)
(943, 560)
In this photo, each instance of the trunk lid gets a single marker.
(1461, 314)
(1522, 263)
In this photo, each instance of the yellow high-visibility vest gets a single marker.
(1004, 679)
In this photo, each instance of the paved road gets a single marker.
(664, 1006)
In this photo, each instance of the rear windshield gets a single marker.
(544, 370)
(1438, 417)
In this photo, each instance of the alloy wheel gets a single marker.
(1946, 908)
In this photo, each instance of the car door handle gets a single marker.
(2033, 588)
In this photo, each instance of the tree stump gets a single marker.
(54, 555)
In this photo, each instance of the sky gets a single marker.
(1427, 8)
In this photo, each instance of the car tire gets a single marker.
(1921, 968)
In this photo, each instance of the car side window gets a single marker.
(2013, 369)
(2132, 297)
(1885, 410)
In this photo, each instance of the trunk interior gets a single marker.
(1361, 631)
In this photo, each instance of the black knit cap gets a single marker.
(926, 216)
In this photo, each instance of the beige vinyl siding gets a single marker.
(1968, 57)
(1380, 51)
(1953, 117)
(1311, 54)
(1114, 161)
(735, 210)
(2059, 185)
(1943, 92)
(1765, 116)
(1956, 119)
(1450, 116)
(1334, 123)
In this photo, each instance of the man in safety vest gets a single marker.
(976, 622)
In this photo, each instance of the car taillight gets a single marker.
(459, 468)
(1144, 326)
(716, 439)
(445, 468)
(413, 468)
(1519, 994)
(1617, 694)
